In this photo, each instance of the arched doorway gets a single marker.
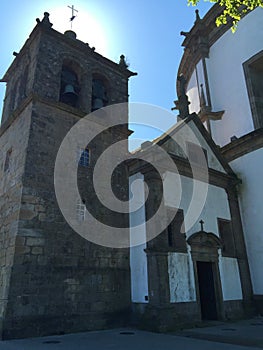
(204, 251)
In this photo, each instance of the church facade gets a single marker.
(53, 281)
(224, 77)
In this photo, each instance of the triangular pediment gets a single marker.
(188, 139)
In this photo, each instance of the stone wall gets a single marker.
(56, 49)
(13, 139)
(60, 281)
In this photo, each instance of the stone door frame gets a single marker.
(204, 247)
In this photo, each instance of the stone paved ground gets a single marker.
(223, 336)
(245, 332)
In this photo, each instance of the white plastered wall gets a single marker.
(249, 169)
(226, 77)
(230, 279)
(181, 268)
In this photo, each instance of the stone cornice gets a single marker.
(34, 98)
(73, 43)
(243, 145)
(21, 54)
(203, 33)
(216, 178)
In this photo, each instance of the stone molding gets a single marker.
(193, 52)
(77, 44)
(33, 98)
(243, 145)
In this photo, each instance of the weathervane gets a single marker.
(73, 16)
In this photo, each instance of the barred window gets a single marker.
(81, 210)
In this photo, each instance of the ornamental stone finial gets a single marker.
(182, 103)
(197, 16)
(45, 21)
(123, 62)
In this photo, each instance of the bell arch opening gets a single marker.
(100, 92)
(69, 86)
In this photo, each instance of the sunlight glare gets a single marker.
(87, 27)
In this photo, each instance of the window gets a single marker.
(226, 235)
(84, 157)
(253, 70)
(175, 237)
(196, 154)
(81, 210)
(7, 159)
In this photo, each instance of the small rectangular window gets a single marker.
(8, 159)
(84, 157)
(226, 235)
(80, 210)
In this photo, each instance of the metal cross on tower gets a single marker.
(201, 222)
(72, 14)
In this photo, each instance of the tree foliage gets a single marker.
(233, 9)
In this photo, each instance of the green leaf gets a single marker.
(233, 10)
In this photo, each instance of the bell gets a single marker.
(97, 104)
(69, 89)
(69, 95)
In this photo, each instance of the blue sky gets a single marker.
(147, 32)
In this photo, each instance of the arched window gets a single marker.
(69, 88)
(99, 94)
(84, 157)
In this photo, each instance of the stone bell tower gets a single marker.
(52, 280)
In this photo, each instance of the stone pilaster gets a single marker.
(240, 248)
(157, 256)
(158, 278)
